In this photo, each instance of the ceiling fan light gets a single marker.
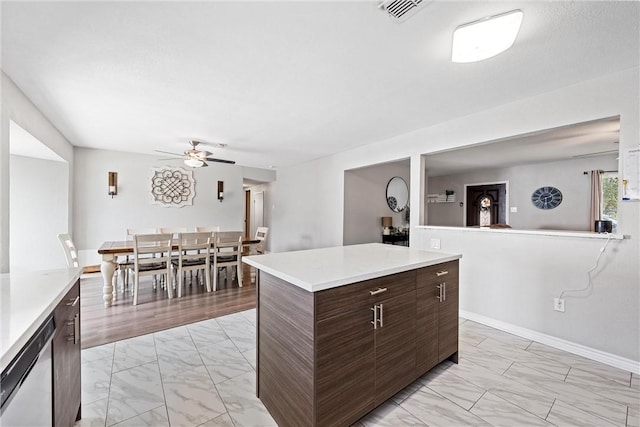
(194, 163)
(485, 38)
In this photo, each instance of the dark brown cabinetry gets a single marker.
(436, 315)
(330, 357)
(66, 359)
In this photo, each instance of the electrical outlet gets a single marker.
(558, 304)
(435, 243)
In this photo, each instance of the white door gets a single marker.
(258, 212)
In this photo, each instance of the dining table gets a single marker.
(111, 250)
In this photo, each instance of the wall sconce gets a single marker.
(113, 184)
(220, 190)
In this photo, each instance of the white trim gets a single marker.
(555, 233)
(571, 347)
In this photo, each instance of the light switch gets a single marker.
(435, 243)
(513, 209)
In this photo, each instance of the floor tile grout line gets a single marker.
(211, 378)
(113, 359)
(551, 408)
(164, 395)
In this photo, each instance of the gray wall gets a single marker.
(567, 176)
(38, 209)
(18, 108)
(532, 269)
(365, 201)
(98, 217)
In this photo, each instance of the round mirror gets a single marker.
(397, 194)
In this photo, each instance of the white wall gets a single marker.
(38, 209)
(99, 218)
(567, 176)
(308, 205)
(18, 108)
(365, 201)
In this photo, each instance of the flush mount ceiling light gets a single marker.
(486, 37)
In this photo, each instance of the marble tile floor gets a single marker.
(203, 374)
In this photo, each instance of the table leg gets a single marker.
(108, 268)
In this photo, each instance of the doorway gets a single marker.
(486, 204)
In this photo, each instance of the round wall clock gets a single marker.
(546, 198)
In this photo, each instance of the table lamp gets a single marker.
(386, 223)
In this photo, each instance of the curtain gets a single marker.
(596, 198)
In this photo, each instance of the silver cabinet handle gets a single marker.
(444, 291)
(439, 287)
(76, 328)
(74, 302)
(380, 319)
(378, 291)
(441, 273)
(375, 316)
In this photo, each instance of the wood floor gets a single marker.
(155, 312)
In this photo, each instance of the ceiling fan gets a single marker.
(197, 158)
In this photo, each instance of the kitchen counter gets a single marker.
(319, 269)
(341, 330)
(26, 300)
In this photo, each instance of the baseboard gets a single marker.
(568, 346)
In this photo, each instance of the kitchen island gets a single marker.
(341, 330)
(28, 300)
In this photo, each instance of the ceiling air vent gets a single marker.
(401, 10)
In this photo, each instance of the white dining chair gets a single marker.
(227, 252)
(194, 254)
(261, 234)
(126, 262)
(173, 230)
(70, 251)
(151, 256)
(209, 229)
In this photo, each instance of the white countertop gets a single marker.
(319, 269)
(26, 300)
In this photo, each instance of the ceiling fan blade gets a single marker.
(211, 159)
(169, 158)
(166, 152)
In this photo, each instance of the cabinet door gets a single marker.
(448, 319)
(345, 357)
(66, 359)
(426, 325)
(395, 345)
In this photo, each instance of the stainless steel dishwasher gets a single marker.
(26, 385)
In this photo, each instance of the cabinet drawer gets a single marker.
(68, 307)
(445, 272)
(332, 302)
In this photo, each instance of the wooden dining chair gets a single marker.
(70, 252)
(227, 252)
(194, 254)
(151, 256)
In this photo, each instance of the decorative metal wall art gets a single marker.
(172, 187)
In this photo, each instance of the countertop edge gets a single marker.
(8, 354)
(311, 287)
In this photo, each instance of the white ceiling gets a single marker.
(285, 82)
